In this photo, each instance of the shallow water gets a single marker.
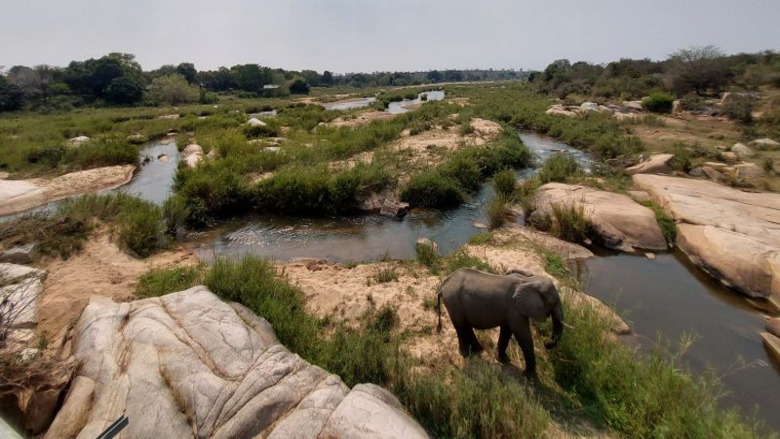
(154, 180)
(404, 106)
(669, 297)
(367, 237)
(350, 104)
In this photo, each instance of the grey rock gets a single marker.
(742, 150)
(393, 209)
(22, 254)
(14, 273)
(20, 303)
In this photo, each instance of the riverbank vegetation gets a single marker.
(608, 384)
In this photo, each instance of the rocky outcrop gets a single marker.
(619, 221)
(765, 143)
(254, 122)
(20, 195)
(21, 254)
(78, 140)
(560, 110)
(733, 235)
(742, 151)
(655, 164)
(189, 365)
(192, 155)
(772, 343)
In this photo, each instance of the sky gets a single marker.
(378, 35)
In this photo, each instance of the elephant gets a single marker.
(479, 300)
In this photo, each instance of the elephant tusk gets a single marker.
(567, 325)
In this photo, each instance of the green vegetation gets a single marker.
(658, 102)
(161, 281)
(559, 168)
(495, 211)
(667, 224)
(427, 253)
(385, 274)
(462, 259)
(138, 226)
(504, 183)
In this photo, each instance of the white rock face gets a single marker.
(655, 164)
(620, 222)
(733, 235)
(255, 122)
(189, 365)
(560, 110)
(589, 106)
(78, 140)
(192, 155)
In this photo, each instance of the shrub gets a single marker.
(384, 275)
(570, 223)
(103, 151)
(691, 102)
(432, 189)
(558, 168)
(495, 211)
(141, 229)
(161, 281)
(211, 190)
(254, 131)
(466, 128)
(49, 156)
(658, 102)
(464, 169)
(427, 253)
(175, 214)
(739, 107)
(504, 183)
(173, 90)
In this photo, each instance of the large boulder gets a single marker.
(560, 110)
(21, 254)
(772, 343)
(733, 235)
(589, 106)
(192, 155)
(742, 151)
(189, 365)
(765, 143)
(255, 122)
(655, 164)
(619, 221)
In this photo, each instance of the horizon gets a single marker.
(344, 37)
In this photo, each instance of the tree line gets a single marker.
(694, 71)
(118, 79)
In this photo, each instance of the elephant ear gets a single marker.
(529, 302)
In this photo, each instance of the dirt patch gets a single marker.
(706, 131)
(345, 165)
(101, 269)
(432, 146)
(360, 119)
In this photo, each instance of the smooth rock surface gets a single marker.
(256, 122)
(620, 222)
(772, 344)
(733, 235)
(773, 326)
(189, 365)
(192, 155)
(21, 254)
(14, 273)
(655, 164)
(742, 150)
(765, 143)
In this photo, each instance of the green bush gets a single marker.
(504, 183)
(495, 211)
(160, 281)
(432, 189)
(658, 102)
(427, 253)
(102, 151)
(254, 131)
(559, 168)
(213, 189)
(462, 259)
(570, 223)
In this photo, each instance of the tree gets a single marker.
(698, 69)
(299, 87)
(434, 76)
(173, 90)
(327, 78)
(124, 90)
(188, 71)
(11, 97)
(251, 77)
(311, 77)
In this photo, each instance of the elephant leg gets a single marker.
(503, 342)
(464, 343)
(522, 332)
(476, 346)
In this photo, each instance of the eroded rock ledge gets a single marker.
(732, 234)
(189, 365)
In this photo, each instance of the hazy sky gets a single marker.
(374, 35)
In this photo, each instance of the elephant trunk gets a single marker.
(557, 318)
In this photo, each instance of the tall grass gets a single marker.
(667, 224)
(161, 281)
(559, 168)
(570, 223)
(504, 183)
(495, 211)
